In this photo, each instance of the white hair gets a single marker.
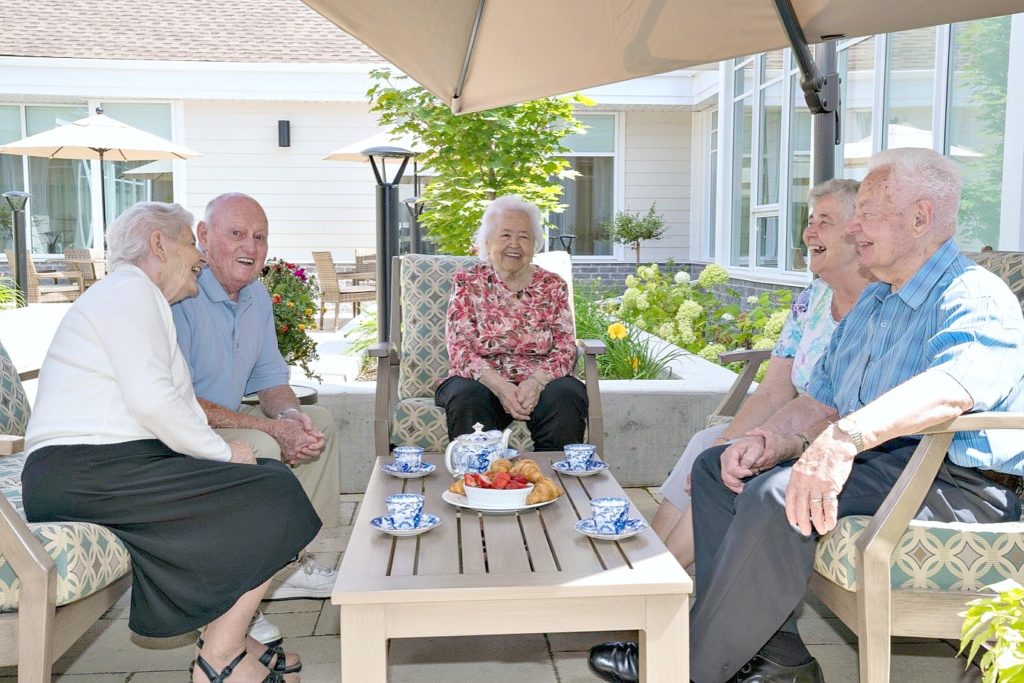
(128, 236)
(510, 203)
(916, 173)
(843, 189)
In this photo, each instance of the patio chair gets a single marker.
(366, 267)
(333, 292)
(888, 575)
(55, 293)
(56, 579)
(411, 364)
(83, 260)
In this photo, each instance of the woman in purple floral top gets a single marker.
(510, 337)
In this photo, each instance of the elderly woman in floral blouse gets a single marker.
(510, 337)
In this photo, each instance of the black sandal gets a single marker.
(214, 677)
(273, 653)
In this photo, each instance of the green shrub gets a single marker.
(998, 620)
(689, 313)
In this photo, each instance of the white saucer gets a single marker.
(562, 467)
(394, 470)
(463, 502)
(633, 527)
(427, 522)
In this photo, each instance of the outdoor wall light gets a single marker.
(284, 133)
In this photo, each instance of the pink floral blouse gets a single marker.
(514, 334)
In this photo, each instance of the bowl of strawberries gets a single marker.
(500, 490)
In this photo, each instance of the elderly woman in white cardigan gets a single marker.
(118, 439)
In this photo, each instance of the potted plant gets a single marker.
(294, 294)
(999, 621)
(630, 228)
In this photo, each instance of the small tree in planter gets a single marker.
(998, 620)
(630, 228)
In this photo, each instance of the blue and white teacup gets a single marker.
(579, 456)
(405, 510)
(610, 514)
(408, 458)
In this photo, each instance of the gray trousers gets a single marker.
(752, 566)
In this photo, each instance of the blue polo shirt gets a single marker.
(953, 316)
(230, 346)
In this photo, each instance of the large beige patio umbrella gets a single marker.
(98, 137)
(479, 54)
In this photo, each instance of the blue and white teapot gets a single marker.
(475, 452)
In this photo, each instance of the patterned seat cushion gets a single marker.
(14, 410)
(418, 422)
(88, 557)
(931, 555)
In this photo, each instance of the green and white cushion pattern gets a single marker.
(88, 557)
(14, 410)
(931, 555)
(1008, 265)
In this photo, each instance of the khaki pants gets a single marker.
(319, 478)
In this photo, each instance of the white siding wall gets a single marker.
(311, 203)
(657, 164)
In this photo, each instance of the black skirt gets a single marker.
(200, 533)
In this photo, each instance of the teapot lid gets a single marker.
(479, 436)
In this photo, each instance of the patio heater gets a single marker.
(387, 225)
(17, 201)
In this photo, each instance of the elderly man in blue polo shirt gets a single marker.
(935, 337)
(226, 334)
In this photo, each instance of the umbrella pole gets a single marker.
(103, 200)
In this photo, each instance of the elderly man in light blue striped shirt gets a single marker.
(935, 337)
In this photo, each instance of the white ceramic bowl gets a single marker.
(498, 498)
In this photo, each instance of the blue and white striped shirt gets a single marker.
(953, 316)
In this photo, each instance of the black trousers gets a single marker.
(559, 418)
(753, 566)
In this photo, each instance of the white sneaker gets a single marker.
(263, 631)
(304, 578)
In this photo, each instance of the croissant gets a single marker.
(501, 465)
(543, 490)
(458, 486)
(528, 469)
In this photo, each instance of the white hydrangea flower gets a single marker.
(728, 317)
(682, 278)
(752, 299)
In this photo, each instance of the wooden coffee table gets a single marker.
(529, 572)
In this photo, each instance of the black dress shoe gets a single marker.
(615, 662)
(761, 670)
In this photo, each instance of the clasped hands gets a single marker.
(299, 440)
(518, 400)
(815, 481)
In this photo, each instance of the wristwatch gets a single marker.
(851, 429)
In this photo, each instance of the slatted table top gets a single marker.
(537, 553)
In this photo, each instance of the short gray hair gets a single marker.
(128, 236)
(843, 189)
(510, 203)
(916, 173)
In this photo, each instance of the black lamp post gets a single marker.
(415, 206)
(387, 225)
(17, 201)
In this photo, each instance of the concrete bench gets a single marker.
(56, 578)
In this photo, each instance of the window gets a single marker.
(857, 74)
(12, 175)
(590, 197)
(128, 182)
(799, 176)
(909, 89)
(975, 122)
(711, 207)
(742, 136)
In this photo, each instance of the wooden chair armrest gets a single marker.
(878, 541)
(11, 444)
(590, 347)
(26, 375)
(748, 355)
(380, 350)
(737, 393)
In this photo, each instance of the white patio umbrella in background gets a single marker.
(354, 151)
(899, 135)
(154, 170)
(479, 54)
(98, 137)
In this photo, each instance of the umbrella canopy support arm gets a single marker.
(457, 95)
(821, 90)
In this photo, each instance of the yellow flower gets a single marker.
(617, 331)
(309, 311)
(302, 328)
(636, 363)
(291, 304)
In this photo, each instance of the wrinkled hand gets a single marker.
(298, 440)
(774, 450)
(528, 393)
(814, 486)
(735, 461)
(508, 394)
(241, 452)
